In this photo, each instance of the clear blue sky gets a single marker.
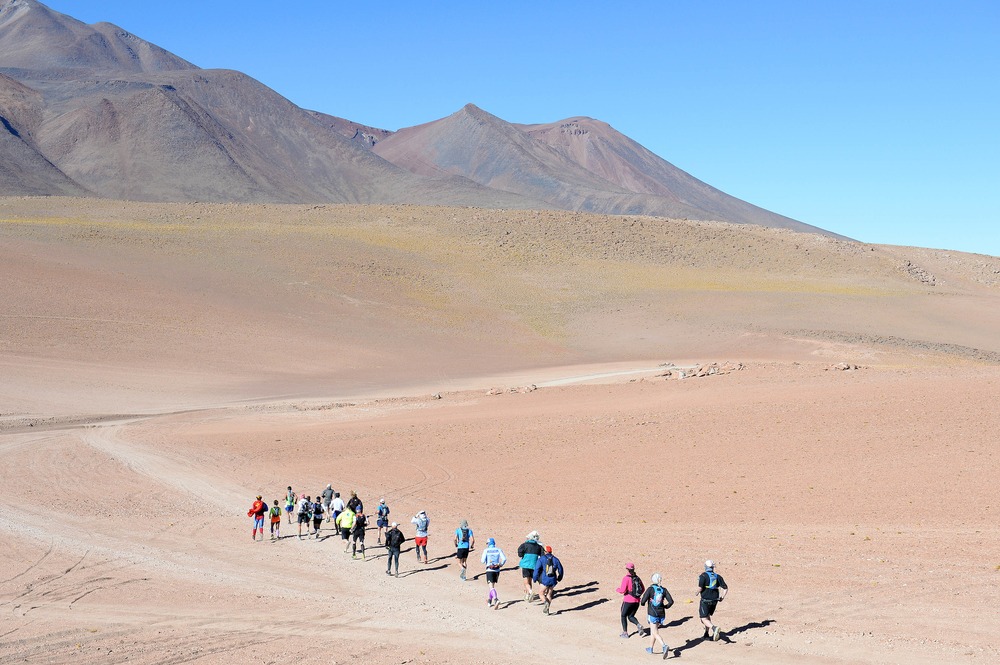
(879, 120)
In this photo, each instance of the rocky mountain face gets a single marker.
(93, 110)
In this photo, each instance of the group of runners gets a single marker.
(537, 563)
(712, 589)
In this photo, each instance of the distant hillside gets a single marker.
(95, 110)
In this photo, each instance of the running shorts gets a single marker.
(420, 541)
(656, 621)
(492, 576)
(707, 608)
(527, 573)
(304, 518)
(462, 553)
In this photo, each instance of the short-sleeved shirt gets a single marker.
(463, 545)
(710, 594)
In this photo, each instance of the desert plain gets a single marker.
(162, 364)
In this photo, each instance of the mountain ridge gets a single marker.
(114, 116)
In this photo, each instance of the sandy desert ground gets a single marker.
(160, 365)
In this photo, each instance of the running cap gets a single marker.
(490, 542)
(655, 579)
(629, 566)
(709, 565)
(395, 524)
(464, 524)
(381, 500)
(548, 549)
(422, 512)
(329, 486)
(258, 497)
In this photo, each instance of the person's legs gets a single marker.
(526, 574)
(705, 611)
(625, 611)
(633, 608)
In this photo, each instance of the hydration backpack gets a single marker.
(465, 536)
(656, 600)
(422, 523)
(637, 586)
(713, 580)
(550, 567)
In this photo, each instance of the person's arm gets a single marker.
(472, 541)
(724, 587)
(645, 595)
(668, 600)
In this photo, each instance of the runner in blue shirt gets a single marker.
(464, 542)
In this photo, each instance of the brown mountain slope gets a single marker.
(482, 147)
(599, 148)
(34, 37)
(23, 168)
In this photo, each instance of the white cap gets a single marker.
(709, 564)
(655, 578)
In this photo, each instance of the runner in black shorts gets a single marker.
(709, 584)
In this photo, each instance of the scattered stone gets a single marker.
(842, 367)
(436, 396)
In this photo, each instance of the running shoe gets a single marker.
(715, 634)
(624, 636)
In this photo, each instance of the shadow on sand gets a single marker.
(723, 636)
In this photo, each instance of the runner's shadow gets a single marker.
(562, 592)
(724, 635)
(421, 570)
(585, 606)
(677, 622)
(579, 591)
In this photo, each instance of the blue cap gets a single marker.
(491, 542)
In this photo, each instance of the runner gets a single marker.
(354, 503)
(337, 506)
(494, 558)
(382, 520)
(304, 512)
(422, 522)
(548, 572)
(257, 511)
(290, 501)
(529, 551)
(394, 540)
(358, 534)
(657, 601)
(709, 584)
(345, 522)
(327, 498)
(465, 541)
(317, 513)
(275, 514)
(632, 588)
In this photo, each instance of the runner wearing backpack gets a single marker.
(394, 540)
(494, 559)
(345, 522)
(709, 584)
(657, 600)
(529, 551)
(465, 540)
(548, 572)
(317, 516)
(632, 588)
(275, 514)
(304, 513)
(382, 519)
(423, 523)
(358, 534)
(290, 500)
